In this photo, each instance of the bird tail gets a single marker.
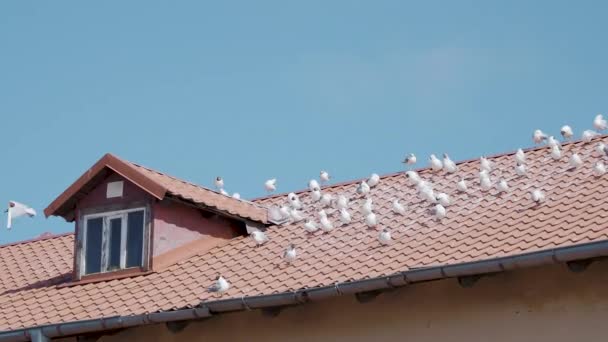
(9, 220)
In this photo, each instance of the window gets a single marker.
(113, 241)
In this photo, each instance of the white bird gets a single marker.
(313, 185)
(310, 226)
(259, 237)
(520, 156)
(371, 220)
(316, 195)
(326, 224)
(294, 200)
(236, 195)
(566, 132)
(539, 136)
(448, 164)
(224, 192)
(521, 170)
(462, 185)
(588, 135)
(575, 161)
(439, 212)
(367, 206)
(384, 237)
(296, 215)
(428, 195)
(290, 253)
(502, 186)
(485, 164)
(552, 142)
(345, 216)
(537, 196)
(363, 188)
(16, 210)
(485, 182)
(398, 207)
(413, 177)
(285, 211)
(342, 202)
(271, 185)
(556, 153)
(600, 148)
(599, 169)
(600, 123)
(443, 199)
(410, 159)
(326, 199)
(274, 214)
(435, 163)
(324, 176)
(373, 180)
(219, 182)
(220, 285)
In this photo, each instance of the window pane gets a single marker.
(114, 248)
(135, 238)
(93, 245)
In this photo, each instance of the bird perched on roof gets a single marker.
(602, 149)
(556, 153)
(294, 200)
(599, 169)
(236, 195)
(502, 186)
(398, 207)
(367, 206)
(296, 215)
(342, 202)
(600, 123)
(259, 237)
(363, 188)
(16, 210)
(521, 170)
(552, 142)
(310, 226)
(484, 180)
(344, 216)
(224, 192)
(285, 211)
(413, 177)
(439, 212)
(435, 163)
(326, 199)
(589, 135)
(324, 176)
(537, 195)
(485, 164)
(371, 220)
(443, 199)
(316, 195)
(290, 253)
(566, 132)
(313, 185)
(539, 136)
(410, 159)
(448, 164)
(219, 182)
(520, 156)
(271, 185)
(427, 194)
(462, 185)
(326, 224)
(384, 237)
(220, 285)
(575, 161)
(373, 180)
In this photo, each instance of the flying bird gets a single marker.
(539, 136)
(520, 156)
(220, 285)
(435, 163)
(589, 135)
(502, 186)
(398, 207)
(310, 226)
(16, 210)
(324, 176)
(575, 161)
(462, 185)
(556, 153)
(599, 169)
(566, 132)
(271, 185)
(371, 220)
(363, 188)
(259, 237)
(448, 164)
(344, 216)
(443, 199)
(384, 237)
(537, 196)
(373, 180)
(219, 182)
(439, 212)
(600, 123)
(410, 159)
(521, 169)
(290, 253)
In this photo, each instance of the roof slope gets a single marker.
(479, 226)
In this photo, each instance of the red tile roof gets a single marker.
(479, 226)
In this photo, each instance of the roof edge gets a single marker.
(413, 275)
(36, 239)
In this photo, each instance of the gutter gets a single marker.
(414, 275)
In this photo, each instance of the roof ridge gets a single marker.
(36, 239)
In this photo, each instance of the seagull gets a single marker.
(219, 182)
(556, 153)
(224, 192)
(600, 123)
(439, 212)
(324, 176)
(363, 188)
(290, 253)
(326, 199)
(588, 135)
(566, 132)
(15, 210)
(502, 186)
(294, 200)
(537, 196)
(520, 156)
(599, 169)
(443, 199)
(221, 285)
(310, 226)
(285, 212)
(367, 206)
(462, 185)
(398, 207)
(326, 224)
(552, 142)
(428, 194)
(448, 164)
(413, 177)
(259, 237)
(373, 180)
(345, 216)
(539, 136)
(485, 164)
(236, 195)
(296, 215)
(313, 184)
(271, 185)
(410, 159)
(436, 164)
(484, 181)
(384, 237)
(575, 161)
(521, 170)
(316, 195)
(342, 202)
(371, 220)
(600, 148)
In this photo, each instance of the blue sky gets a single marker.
(253, 90)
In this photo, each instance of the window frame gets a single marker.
(107, 216)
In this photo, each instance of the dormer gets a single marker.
(131, 220)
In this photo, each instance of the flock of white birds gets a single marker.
(292, 210)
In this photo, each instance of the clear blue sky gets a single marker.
(253, 90)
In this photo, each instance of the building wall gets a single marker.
(538, 304)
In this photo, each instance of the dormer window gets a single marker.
(113, 241)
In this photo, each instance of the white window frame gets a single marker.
(105, 255)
